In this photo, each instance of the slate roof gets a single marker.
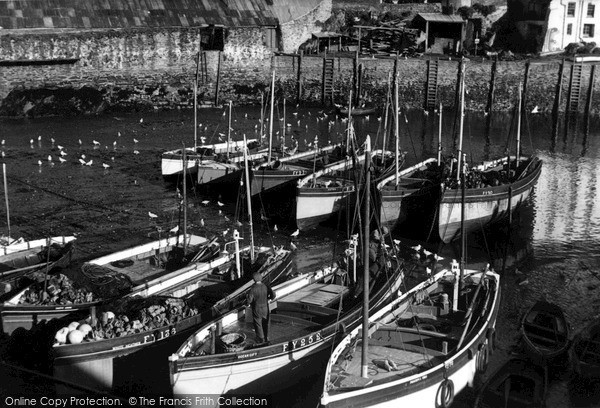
(102, 14)
(441, 18)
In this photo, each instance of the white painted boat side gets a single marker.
(21, 245)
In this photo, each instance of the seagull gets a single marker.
(83, 156)
(152, 215)
(90, 162)
(60, 159)
(275, 227)
(426, 252)
(40, 138)
(106, 166)
(397, 241)
(295, 233)
(205, 202)
(226, 218)
(115, 144)
(417, 248)
(535, 109)
(136, 152)
(428, 270)
(82, 161)
(238, 223)
(135, 140)
(3, 141)
(80, 142)
(220, 204)
(31, 141)
(174, 229)
(59, 147)
(96, 143)
(119, 134)
(225, 232)
(39, 162)
(437, 257)
(202, 222)
(292, 246)
(49, 158)
(141, 120)
(220, 212)
(52, 140)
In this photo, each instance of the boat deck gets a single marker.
(140, 272)
(281, 328)
(321, 294)
(347, 372)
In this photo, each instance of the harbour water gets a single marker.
(553, 246)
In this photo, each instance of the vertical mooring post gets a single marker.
(557, 100)
(359, 85)
(355, 75)
(590, 95)
(458, 97)
(299, 78)
(525, 80)
(490, 104)
(218, 84)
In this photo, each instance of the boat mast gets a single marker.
(271, 117)
(397, 130)
(387, 108)
(196, 103)
(229, 130)
(184, 200)
(519, 109)
(463, 238)
(248, 198)
(283, 130)
(461, 122)
(365, 323)
(6, 199)
(439, 155)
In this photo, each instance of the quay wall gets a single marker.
(74, 72)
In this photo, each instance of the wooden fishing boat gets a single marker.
(409, 187)
(95, 360)
(586, 351)
(322, 194)
(545, 332)
(141, 270)
(493, 200)
(423, 348)
(172, 160)
(21, 244)
(309, 314)
(359, 111)
(18, 269)
(518, 383)
(290, 168)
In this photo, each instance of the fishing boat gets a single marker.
(518, 383)
(21, 244)
(201, 158)
(307, 318)
(169, 318)
(133, 271)
(422, 349)
(545, 332)
(586, 351)
(19, 268)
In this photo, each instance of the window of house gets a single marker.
(271, 38)
(213, 38)
(571, 10)
(569, 29)
(591, 9)
(588, 30)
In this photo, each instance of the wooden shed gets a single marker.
(444, 32)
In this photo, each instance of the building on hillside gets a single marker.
(547, 26)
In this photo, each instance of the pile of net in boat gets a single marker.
(105, 282)
(137, 315)
(56, 290)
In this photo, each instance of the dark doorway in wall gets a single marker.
(213, 38)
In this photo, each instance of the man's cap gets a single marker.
(257, 276)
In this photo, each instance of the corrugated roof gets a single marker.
(441, 18)
(100, 14)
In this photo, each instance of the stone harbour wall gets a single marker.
(57, 73)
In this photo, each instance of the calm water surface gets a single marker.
(554, 242)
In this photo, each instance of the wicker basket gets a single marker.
(231, 342)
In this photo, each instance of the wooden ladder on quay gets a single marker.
(575, 88)
(432, 84)
(327, 91)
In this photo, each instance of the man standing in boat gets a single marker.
(258, 298)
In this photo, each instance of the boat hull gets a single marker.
(483, 206)
(316, 205)
(266, 179)
(217, 173)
